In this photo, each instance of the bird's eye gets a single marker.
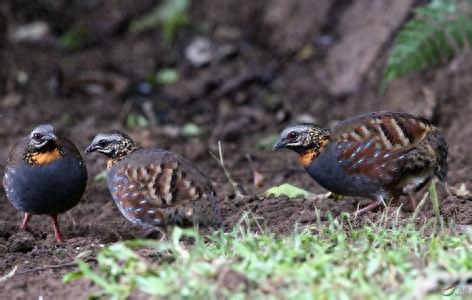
(102, 143)
(292, 135)
(37, 136)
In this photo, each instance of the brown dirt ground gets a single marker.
(99, 85)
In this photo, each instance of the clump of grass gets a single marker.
(434, 199)
(334, 262)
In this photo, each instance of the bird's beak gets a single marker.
(90, 149)
(279, 144)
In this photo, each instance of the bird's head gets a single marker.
(114, 145)
(42, 136)
(300, 137)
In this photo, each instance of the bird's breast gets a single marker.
(306, 157)
(328, 172)
(44, 158)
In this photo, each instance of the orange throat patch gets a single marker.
(312, 153)
(43, 158)
(307, 157)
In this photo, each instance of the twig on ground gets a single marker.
(54, 267)
(240, 193)
(257, 177)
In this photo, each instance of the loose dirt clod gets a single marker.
(22, 241)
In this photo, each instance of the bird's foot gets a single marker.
(57, 232)
(365, 209)
(26, 219)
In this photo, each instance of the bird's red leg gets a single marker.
(57, 232)
(26, 219)
(375, 204)
(365, 209)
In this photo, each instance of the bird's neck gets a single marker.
(308, 154)
(121, 154)
(306, 157)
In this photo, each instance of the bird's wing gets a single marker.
(69, 147)
(163, 181)
(377, 144)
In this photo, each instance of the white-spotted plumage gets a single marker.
(155, 187)
(375, 155)
(167, 191)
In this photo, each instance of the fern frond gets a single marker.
(438, 31)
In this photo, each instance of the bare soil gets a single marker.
(285, 65)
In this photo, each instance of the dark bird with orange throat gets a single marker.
(377, 155)
(45, 175)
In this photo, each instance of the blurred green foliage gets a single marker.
(75, 38)
(438, 31)
(136, 120)
(171, 15)
(167, 76)
(191, 129)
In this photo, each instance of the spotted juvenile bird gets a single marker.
(154, 187)
(377, 155)
(45, 175)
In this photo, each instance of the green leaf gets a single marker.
(191, 129)
(167, 76)
(288, 190)
(438, 31)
